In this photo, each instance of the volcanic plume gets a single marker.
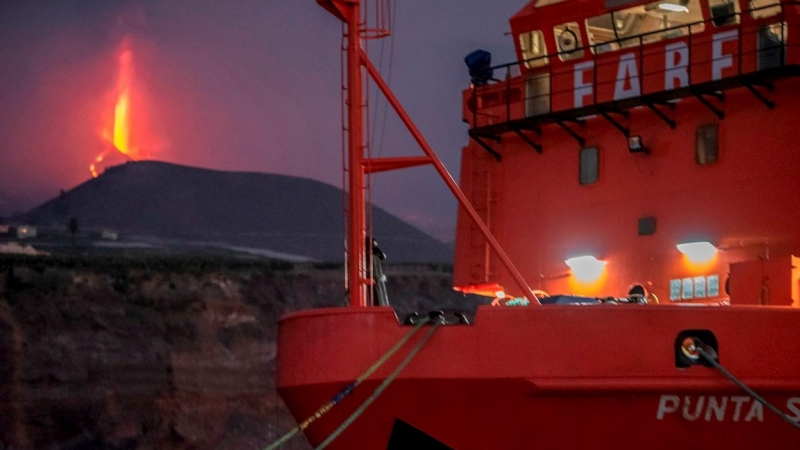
(118, 133)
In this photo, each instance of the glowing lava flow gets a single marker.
(121, 129)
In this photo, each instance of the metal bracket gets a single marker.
(535, 128)
(767, 102)
(572, 132)
(529, 141)
(721, 97)
(661, 114)
(572, 120)
(625, 131)
(765, 84)
(477, 138)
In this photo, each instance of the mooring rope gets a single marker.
(711, 358)
(349, 421)
(349, 388)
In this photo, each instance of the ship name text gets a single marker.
(617, 76)
(709, 408)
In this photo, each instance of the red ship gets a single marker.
(638, 165)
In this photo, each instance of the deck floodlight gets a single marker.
(635, 145)
(479, 64)
(586, 268)
(698, 252)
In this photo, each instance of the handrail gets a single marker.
(744, 28)
(593, 47)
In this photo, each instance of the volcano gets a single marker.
(277, 213)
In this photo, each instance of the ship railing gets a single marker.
(523, 99)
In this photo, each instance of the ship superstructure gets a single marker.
(654, 140)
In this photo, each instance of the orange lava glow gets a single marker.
(119, 134)
(121, 119)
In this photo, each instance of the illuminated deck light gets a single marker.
(586, 268)
(698, 252)
(635, 145)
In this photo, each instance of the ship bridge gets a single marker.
(581, 59)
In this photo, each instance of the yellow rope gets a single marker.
(349, 389)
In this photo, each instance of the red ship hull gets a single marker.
(707, 161)
(552, 377)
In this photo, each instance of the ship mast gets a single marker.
(358, 274)
(357, 234)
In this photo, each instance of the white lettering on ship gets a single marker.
(676, 69)
(582, 88)
(710, 408)
(627, 75)
(721, 60)
(676, 73)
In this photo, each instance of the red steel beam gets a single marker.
(448, 179)
(373, 165)
(357, 234)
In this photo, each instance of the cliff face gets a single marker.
(113, 355)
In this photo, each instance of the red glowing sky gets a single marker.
(247, 85)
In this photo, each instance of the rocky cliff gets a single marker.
(160, 354)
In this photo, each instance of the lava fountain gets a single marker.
(118, 135)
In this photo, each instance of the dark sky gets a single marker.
(241, 85)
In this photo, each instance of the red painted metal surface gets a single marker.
(550, 377)
(744, 203)
(523, 288)
(357, 225)
(603, 376)
(358, 278)
(374, 165)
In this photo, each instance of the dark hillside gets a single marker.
(291, 215)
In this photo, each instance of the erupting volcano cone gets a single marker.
(119, 136)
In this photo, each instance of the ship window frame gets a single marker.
(589, 165)
(534, 51)
(599, 46)
(707, 144)
(726, 19)
(768, 9)
(630, 35)
(573, 28)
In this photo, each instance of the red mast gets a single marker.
(349, 11)
(357, 233)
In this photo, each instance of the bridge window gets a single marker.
(770, 43)
(568, 41)
(724, 12)
(600, 31)
(707, 147)
(534, 50)
(589, 165)
(764, 8)
(653, 22)
(657, 21)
